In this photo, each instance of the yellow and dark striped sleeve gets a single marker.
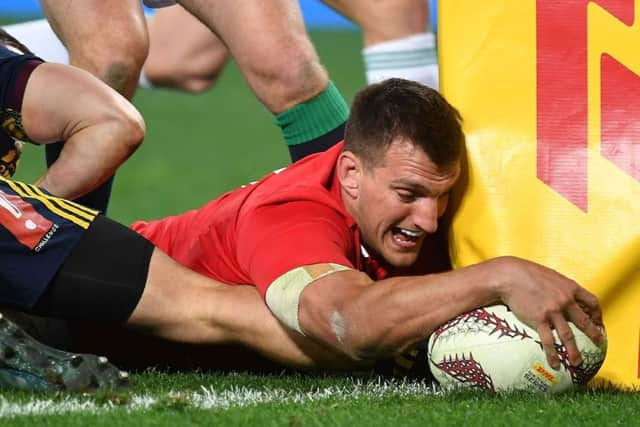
(65, 209)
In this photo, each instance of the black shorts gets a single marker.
(61, 259)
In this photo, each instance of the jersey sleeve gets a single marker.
(275, 239)
(15, 70)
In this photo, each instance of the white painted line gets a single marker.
(209, 398)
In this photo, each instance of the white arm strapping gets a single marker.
(283, 295)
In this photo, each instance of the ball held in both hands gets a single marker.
(490, 349)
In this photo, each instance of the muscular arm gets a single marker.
(182, 305)
(367, 320)
(100, 127)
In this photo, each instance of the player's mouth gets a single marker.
(405, 237)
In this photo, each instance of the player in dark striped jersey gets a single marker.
(42, 103)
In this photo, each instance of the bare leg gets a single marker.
(107, 38)
(270, 44)
(397, 38)
(183, 53)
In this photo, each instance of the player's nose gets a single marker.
(425, 214)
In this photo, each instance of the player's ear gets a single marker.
(350, 171)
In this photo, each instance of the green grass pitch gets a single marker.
(198, 147)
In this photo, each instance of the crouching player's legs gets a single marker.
(114, 54)
(269, 42)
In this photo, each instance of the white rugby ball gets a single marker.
(490, 349)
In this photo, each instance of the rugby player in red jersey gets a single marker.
(303, 237)
(338, 244)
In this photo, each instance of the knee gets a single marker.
(299, 78)
(197, 85)
(281, 81)
(130, 127)
(116, 62)
(192, 77)
(135, 130)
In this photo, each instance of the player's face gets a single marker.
(400, 201)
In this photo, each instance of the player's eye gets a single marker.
(405, 195)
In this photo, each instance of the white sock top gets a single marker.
(413, 58)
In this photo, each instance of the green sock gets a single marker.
(314, 125)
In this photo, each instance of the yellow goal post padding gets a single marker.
(550, 96)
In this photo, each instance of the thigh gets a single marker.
(247, 26)
(268, 41)
(89, 26)
(102, 278)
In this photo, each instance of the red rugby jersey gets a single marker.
(292, 217)
(254, 234)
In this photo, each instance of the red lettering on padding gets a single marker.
(562, 97)
(620, 116)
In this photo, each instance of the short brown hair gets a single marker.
(398, 108)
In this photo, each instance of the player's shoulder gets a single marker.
(302, 215)
(309, 214)
(311, 180)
